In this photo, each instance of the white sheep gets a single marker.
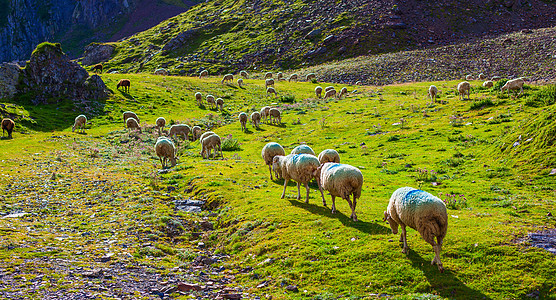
(422, 212)
(220, 104)
(495, 78)
(196, 130)
(328, 88)
(464, 87)
(340, 180)
(280, 76)
(132, 123)
(268, 75)
(329, 155)
(513, 84)
(275, 116)
(79, 123)
(203, 73)
(211, 100)
(160, 123)
(329, 94)
(301, 168)
(256, 119)
(209, 143)
(271, 90)
(243, 120)
(204, 136)
(310, 76)
(318, 92)
(433, 92)
(240, 82)
(293, 77)
(303, 149)
(358, 83)
(342, 93)
(244, 74)
(482, 76)
(469, 77)
(268, 82)
(166, 151)
(268, 153)
(228, 78)
(199, 98)
(488, 84)
(161, 71)
(264, 113)
(277, 163)
(180, 130)
(130, 114)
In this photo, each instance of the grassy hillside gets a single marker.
(98, 201)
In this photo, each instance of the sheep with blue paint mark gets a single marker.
(299, 167)
(303, 149)
(421, 211)
(340, 180)
(268, 153)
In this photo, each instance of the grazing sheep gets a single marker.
(125, 83)
(211, 101)
(464, 87)
(196, 130)
(495, 78)
(220, 103)
(310, 76)
(160, 123)
(329, 155)
(422, 212)
(482, 76)
(243, 120)
(277, 163)
(97, 67)
(211, 142)
(203, 73)
(301, 168)
(161, 71)
(199, 98)
(166, 151)
(275, 116)
(180, 129)
(256, 119)
(244, 74)
(340, 180)
(264, 113)
(8, 125)
(293, 77)
(469, 77)
(271, 90)
(268, 82)
(488, 84)
(228, 77)
(303, 149)
(318, 92)
(358, 83)
(205, 135)
(132, 123)
(268, 75)
(130, 114)
(280, 76)
(329, 94)
(240, 82)
(268, 153)
(513, 84)
(79, 123)
(328, 88)
(433, 91)
(343, 92)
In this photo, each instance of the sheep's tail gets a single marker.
(431, 226)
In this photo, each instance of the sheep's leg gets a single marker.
(404, 238)
(437, 248)
(333, 204)
(298, 192)
(353, 215)
(285, 185)
(307, 187)
(322, 194)
(270, 170)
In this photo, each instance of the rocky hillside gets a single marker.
(227, 35)
(26, 23)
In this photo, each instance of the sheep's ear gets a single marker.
(386, 216)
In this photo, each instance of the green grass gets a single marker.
(106, 183)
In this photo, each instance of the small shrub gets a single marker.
(481, 104)
(426, 175)
(230, 144)
(287, 99)
(544, 97)
(453, 162)
(393, 138)
(454, 201)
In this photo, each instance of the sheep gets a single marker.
(264, 113)
(196, 130)
(209, 143)
(329, 155)
(488, 84)
(8, 125)
(211, 101)
(513, 84)
(130, 114)
(310, 76)
(97, 67)
(343, 92)
(328, 88)
(422, 212)
(199, 98)
(132, 123)
(161, 71)
(293, 77)
(482, 76)
(464, 87)
(203, 73)
(204, 136)
(358, 83)
(495, 78)
(240, 83)
(180, 129)
(228, 77)
(268, 75)
(340, 180)
(280, 76)
(318, 92)
(268, 82)
(433, 91)
(275, 116)
(243, 120)
(125, 83)
(299, 167)
(469, 77)
(268, 153)
(220, 103)
(244, 74)
(160, 123)
(166, 151)
(79, 123)
(330, 93)
(303, 149)
(256, 119)
(271, 90)
(277, 163)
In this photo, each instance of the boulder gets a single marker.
(97, 53)
(9, 76)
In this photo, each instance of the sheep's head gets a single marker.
(277, 165)
(316, 174)
(393, 224)
(73, 128)
(173, 161)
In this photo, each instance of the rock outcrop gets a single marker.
(9, 76)
(97, 53)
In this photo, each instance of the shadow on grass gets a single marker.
(447, 284)
(281, 125)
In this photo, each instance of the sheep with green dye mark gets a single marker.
(340, 180)
(303, 149)
(421, 211)
(166, 151)
(79, 123)
(268, 153)
(299, 167)
(329, 155)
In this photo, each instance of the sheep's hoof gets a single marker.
(405, 250)
(307, 201)
(282, 197)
